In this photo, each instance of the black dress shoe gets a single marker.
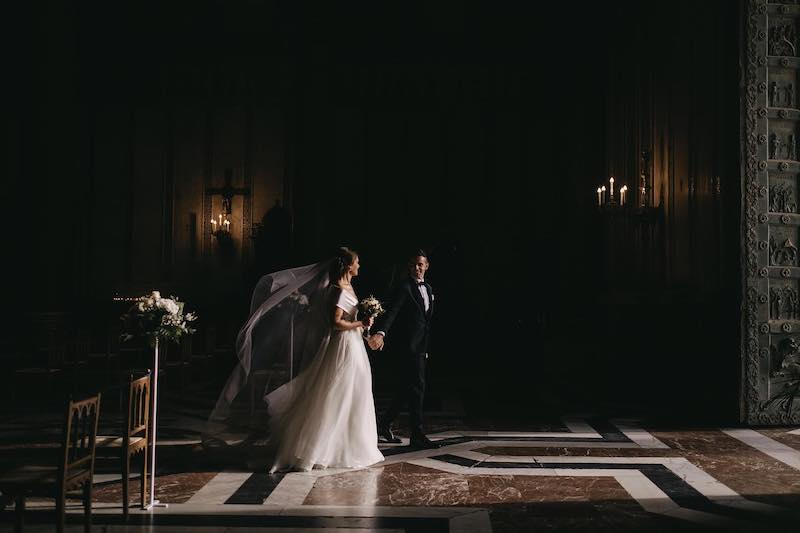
(422, 442)
(385, 435)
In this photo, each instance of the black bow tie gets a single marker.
(420, 283)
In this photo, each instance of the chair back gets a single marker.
(138, 417)
(80, 432)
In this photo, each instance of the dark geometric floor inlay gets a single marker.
(406, 524)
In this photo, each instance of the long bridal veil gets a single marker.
(289, 324)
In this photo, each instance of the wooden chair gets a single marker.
(75, 469)
(134, 438)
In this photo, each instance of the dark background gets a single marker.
(478, 131)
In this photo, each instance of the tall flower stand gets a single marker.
(154, 426)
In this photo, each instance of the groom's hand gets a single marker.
(375, 341)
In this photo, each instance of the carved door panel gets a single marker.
(771, 225)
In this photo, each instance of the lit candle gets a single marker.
(599, 197)
(643, 196)
(603, 190)
(213, 225)
(622, 192)
(612, 187)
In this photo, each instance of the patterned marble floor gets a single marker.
(575, 474)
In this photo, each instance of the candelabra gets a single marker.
(221, 227)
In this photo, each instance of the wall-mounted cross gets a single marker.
(227, 191)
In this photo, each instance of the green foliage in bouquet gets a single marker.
(152, 317)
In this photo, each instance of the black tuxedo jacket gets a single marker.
(406, 323)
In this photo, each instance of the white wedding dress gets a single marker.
(325, 417)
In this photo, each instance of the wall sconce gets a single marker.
(221, 227)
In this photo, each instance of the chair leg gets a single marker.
(19, 509)
(126, 479)
(60, 503)
(144, 484)
(87, 507)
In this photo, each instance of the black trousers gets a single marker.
(409, 390)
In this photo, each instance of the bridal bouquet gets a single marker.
(152, 316)
(370, 307)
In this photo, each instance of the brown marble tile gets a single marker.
(783, 436)
(172, 488)
(744, 469)
(558, 451)
(409, 485)
(604, 517)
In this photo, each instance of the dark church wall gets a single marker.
(477, 131)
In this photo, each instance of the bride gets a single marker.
(325, 415)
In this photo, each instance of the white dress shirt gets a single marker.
(424, 292)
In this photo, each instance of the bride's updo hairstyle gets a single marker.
(341, 262)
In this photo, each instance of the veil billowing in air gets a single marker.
(289, 324)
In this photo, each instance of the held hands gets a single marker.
(368, 321)
(375, 342)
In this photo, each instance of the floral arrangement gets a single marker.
(299, 298)
(154, 317)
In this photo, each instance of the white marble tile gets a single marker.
(220, 488)
(292, 490)
(644, 491)
(794, 432)
(579, 425)
(638, 435)
(475, 456)
(444, 435)
(759, 441)
(594, 472)
(506, 458)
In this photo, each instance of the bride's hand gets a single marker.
(368, 322)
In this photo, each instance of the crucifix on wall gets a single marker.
(227, 191)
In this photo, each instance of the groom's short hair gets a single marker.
(419, 252)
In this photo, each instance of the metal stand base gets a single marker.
(154, 503)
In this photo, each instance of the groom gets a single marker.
(406, 330)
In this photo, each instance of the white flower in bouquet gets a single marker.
(370, 306)
(168, 305)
